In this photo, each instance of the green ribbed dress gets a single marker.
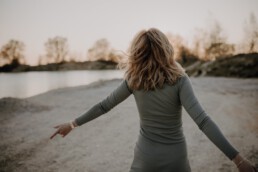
(161, 145)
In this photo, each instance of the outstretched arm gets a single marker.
(204, 122)
(116, 97)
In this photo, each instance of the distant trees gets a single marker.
(56, 50)
(208, 44)
(12, 53)
(216, 45)
(251, 34)
(101, 50)
(212, 44)
(182, 53)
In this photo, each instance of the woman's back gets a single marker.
(161, 144)
(160, 114)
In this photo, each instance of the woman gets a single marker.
(160, 88)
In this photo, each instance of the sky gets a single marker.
(83, 22)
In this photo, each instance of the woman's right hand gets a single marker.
(63, 129)
(246, 166)
(243, 165)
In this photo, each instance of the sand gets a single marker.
(106, 144)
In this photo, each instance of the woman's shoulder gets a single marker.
(125, 82)
(183, 80)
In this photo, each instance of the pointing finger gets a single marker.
(54, 134)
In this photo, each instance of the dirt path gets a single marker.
(107, 143)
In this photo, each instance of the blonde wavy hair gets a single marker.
(151, 62)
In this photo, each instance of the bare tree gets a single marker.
(212, 44)
(99, 51)
(114, 56)
(12, 53)
(56, 50)
(251, 34)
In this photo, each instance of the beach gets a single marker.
(107, 143)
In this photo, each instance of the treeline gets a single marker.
(56, 51)
(208, 45)
(212, 43)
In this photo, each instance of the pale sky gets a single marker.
(83, 22)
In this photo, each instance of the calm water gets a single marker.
(28, 84)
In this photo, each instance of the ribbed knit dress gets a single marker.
(161, 145)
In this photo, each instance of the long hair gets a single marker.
(151, 63)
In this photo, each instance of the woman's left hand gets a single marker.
(62, 129)
(243, 165)
(246, 166)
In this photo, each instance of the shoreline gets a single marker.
(238, 65)
(27, 124)
(107, 80)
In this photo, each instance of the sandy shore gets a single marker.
(107, 143)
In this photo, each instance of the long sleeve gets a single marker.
(116, 97)
(204, 122)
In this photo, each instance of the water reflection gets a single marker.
(23, 85)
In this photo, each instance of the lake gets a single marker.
(26, 84)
